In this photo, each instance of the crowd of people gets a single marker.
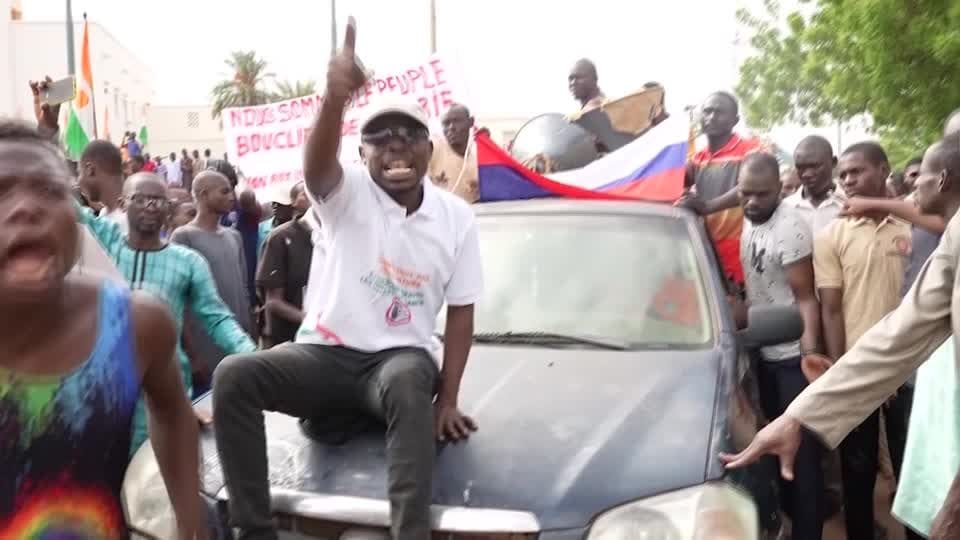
(129, 285)
(845, 240)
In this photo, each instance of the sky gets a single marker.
(514, 54)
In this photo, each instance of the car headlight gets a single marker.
(716, 511)
(145, 500)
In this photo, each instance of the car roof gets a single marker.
(582, 206)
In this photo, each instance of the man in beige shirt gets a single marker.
(859, 264)
(889, 352)
(453, 165)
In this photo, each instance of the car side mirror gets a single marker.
(771, 325)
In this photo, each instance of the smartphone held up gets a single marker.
(58, 92)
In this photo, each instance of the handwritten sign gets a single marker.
(267, 141)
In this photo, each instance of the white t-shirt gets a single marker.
(319, 257)
(174, 174)
(386, 275)
(766, 250)
(816, 217)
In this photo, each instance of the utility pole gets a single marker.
(433, 26)
(71, 57)
(333, 27)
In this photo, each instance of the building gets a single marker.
(122, 85)
(7, 15)
(502, 128)
(177, 127)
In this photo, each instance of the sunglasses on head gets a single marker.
(384, 136)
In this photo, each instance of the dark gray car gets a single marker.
(606, 376)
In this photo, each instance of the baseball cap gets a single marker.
(408, 108)
(280, 194)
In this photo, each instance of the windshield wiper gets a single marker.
(540, 338)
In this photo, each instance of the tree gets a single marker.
(834, 60)
(289, 90)
(247, 87)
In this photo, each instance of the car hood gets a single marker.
(564, 434)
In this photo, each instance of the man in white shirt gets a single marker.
(174, 173)
(397, 249)
(816, 200)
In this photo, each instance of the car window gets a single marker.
(631, 278)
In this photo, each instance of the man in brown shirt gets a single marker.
(859, 264)
(453, 165)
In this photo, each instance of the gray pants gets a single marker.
(304, 381)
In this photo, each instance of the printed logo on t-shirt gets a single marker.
(398, 314)
(756, 258)
(390, 279)
(901, 246)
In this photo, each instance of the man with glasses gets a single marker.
(175, 274)
(397, 249)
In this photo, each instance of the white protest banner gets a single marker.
(266, 141)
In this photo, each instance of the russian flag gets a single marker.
(650, 168)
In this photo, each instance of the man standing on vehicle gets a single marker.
(398, 248)
(582, 82)
(714, 172)
(776, 249)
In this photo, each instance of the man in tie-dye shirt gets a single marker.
(75, 355)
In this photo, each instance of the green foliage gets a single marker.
(895, 60)
(247, 87)
(295, 89)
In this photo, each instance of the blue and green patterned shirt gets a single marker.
(180, 277)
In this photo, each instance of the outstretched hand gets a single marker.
(780, 438)
(344, 74)
(857, 206)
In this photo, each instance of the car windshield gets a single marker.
(625, 279)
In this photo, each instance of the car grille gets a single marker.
(331, 530)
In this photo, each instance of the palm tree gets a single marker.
(247, 85)
(295, 89)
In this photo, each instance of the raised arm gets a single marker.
(173, 428)
(217, 319)
(106, 231)
(321, 165)
(900, 208)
